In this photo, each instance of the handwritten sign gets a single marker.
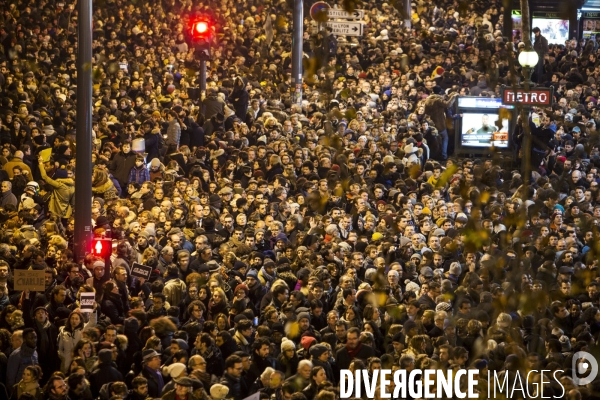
(141, 271)
(86, 302)
(29, 279)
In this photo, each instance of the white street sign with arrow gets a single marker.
(341, 14)
(346, 28)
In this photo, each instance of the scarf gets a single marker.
(353, 352)
(31, 388)
(43, 340)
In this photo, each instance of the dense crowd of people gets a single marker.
(288, 242)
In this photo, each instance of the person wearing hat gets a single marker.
(151, 371)
(183, 389)
(319, 356)
(288, 360)
(63, 195)
(219, 392)
(104, 372)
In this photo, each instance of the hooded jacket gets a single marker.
(239, 98)
(105, 372)
(173, 133)
(62, 199)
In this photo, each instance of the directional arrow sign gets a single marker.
(346, 28)
(341, 14)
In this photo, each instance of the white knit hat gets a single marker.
(287, 344)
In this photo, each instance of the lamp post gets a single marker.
(528, 60)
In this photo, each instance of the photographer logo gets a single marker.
(585, 368)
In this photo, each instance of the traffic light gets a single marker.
(102, 248)
(201, 33)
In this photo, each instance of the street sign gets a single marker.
(318, 7)
(334, 13)
(346, 28)
(539, 97)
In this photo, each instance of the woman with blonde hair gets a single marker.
(217, 304)
(273, 167)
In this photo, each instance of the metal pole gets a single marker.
(297, 41)
(407, 14)
(507, 19)
(202, 84)
(83, 171)
(526, 152)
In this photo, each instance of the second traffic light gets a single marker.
(102, 248)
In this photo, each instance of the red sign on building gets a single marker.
(533, 97)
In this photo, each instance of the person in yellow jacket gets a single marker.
(62, 199)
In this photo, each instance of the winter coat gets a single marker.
(103, 186)
(121, 165)
(480, 88)
(8, 198)
(16, 162)
(174, 290)
(173, 133)
(343, 358)
(196, 135)
(68, 340)
(112, 307)
(104, 373)
(33, 389)
(139, 175)
(152, 142)
(239, 98)
(18, 360)
(212, 106)
(62, 199)
(234, 385)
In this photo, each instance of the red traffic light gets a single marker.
(102, 248)
(201, 27)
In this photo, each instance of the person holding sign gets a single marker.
(70, 334)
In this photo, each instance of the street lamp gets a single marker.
(528, 58)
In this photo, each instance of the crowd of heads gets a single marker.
(286, 242)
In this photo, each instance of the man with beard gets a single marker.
(232, 376)
(260, 359)
(56, 389)
(353, 349)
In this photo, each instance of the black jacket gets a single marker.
(234, 385)
(343, 359)
(104, 373)
(112, 307)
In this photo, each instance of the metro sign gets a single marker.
(533, 97)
